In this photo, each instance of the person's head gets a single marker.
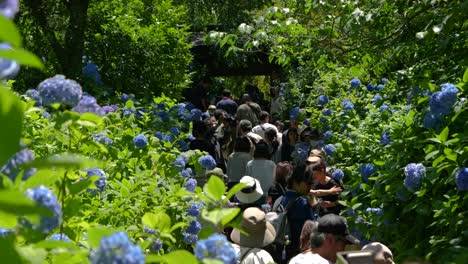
(331, 237)
(219, 114)
(382, 254)
(292, 135)
(243, 144)
(251, 192)
(245, 126)
(316, 170)
(284, 170)
(212, 110)
(316, 153)
(279, 125)
(308, 228)
(264, 116)
(199, 129)
(261, 150)
(270, 134)
(300, 181)
(258, 232)
(226, 93)
(246, 98)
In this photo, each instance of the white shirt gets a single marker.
(254, 256)
(236, 165)
(309, 258)
(260, 129)
(262, 170)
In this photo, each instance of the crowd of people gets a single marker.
(286, 177)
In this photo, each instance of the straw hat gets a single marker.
(314, 159)
(251, 192)
(258, 232)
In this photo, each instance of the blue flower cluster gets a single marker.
(294, 113)
(380, 87)
(384, 108)
(207, 162)
(157, 244)
(320, 143)
(187, 173)
(44, 197)
(377, 211)
(191, 232)
(8, 68)
(13, 166)
(59, 237)
(216, 247)
(385, 138)
(370, 87)
(9, 8)
(179, 163)
(328, 134)
(101, 182)
(164, 137)
(90, 70)
(109, 109)
(102, 139)
(384, 80)
(326, 112)
(367, 170)
(440, 104)
(322, 100)
(190, 185)
(58, 89)
(355, 83)
(330, 149)
(338, 174)
(117, 248)
(196, 114)
(124, 98)
(414, 173)
(377, 98)
(34, 95)
(5, 232)
(88, 104)
(461, 179)
(174, 131)
(194, 209)
(347, 105)
(140, 141)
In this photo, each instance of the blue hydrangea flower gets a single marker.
(157, 244)
(326, 112)
(196, 114)
(190, 238)
(8, 68)
(355, 83)
(179, 163)
(461, 178)
(102, 139)
(91, 71)
(58, 89)
(306, 122)
(101, 182)
(432, 121)
(34, 95)
(370, 87)
(194, 227)
(383, 108)
(330, 149)
(384, 80)
(194, 209)
(187, 173)
(367, 170)
(117, 248)
(441, 103)
(385, 138)
(9, 8)
(338, 174)
(328, 134)
(44, 197)
(140, 141)
(108, 109)
(323, 119)
(347, 105)
(377, 211)
(13, 166)
(128, 111)
(414, 173)
(5, 232)
(174, 131)
(207, 162)
(377, 98)
(59, 237)
(46, 114)
(216, 247)
(294, 113)
(380, 87)
(150, 231)
(124, 98)
(190, 185)
(427, 93)
(322, 100)
(88, 104)
(320, 143)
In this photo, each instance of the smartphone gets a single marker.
(355, 257)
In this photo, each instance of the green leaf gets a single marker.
(443, 135)
(51, 244)
(9, 32)
(43, 177)
(8, 254)
(8, 221)
(356, 206)
(95, 119)
(215, 188)
(159, 221)
(451, 155)
(67, 161)
(432, 154)
(33, 255)
(465, 76)
(236, 188)
(23, 57)
(81, 186)
(220, 216)
(129, 104)
(17, 203)
(97, 233)
(175, 257)
(11, 120)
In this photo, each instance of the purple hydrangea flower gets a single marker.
(108, 109)
(441, 103)
(383, 108)
(44, 197)
(117, 248)
(8, 68)
(380, 87)
(320, 143)
(88, 104)
(102, 139)
(174, 131)
(140, 141)
(207, 162)
(190, 238)
(294, 113)
(432, 121)
(216, 247)
(384, 80)
(9, 8)
(194, 227)
(13, 166)
(34, 95)
(124, 98)
(338, 174)
(461, 179)
(355, 83)
(157, 245)
(322, 100)
(196, 114)
(414, 173)
(190, 185)
(58, 89)
(179, 163)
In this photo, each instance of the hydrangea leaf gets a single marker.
(17, 203)
(23, 57)
(159, 221)
(8, 254)
(67, 161)
(43, 177)
(175, 257)
(97, 233)
(9, 32)
(220, 216)
(234, 190)
(11, 120)
(214, 188)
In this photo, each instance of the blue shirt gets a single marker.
(299, 212)
(228, 105)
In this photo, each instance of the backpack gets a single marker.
(279, 219)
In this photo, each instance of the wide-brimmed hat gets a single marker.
(336, 225)
(314, 159)
(251, 192)
(258, 232)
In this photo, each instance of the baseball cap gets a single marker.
(336, 225)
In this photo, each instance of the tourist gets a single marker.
(245, 129)
(259, 233)
(264, 125)
(288, 144)
(200, 132)
(277, 101)
(261, 167)
(331, 237)
(248, 110)
(325, 188)
(307, 255)
(251, 195)
(274, 145)
(237, 161)
(227, 104)
(382, 254)
(284, 170)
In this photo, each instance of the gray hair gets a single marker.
(317, 238)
